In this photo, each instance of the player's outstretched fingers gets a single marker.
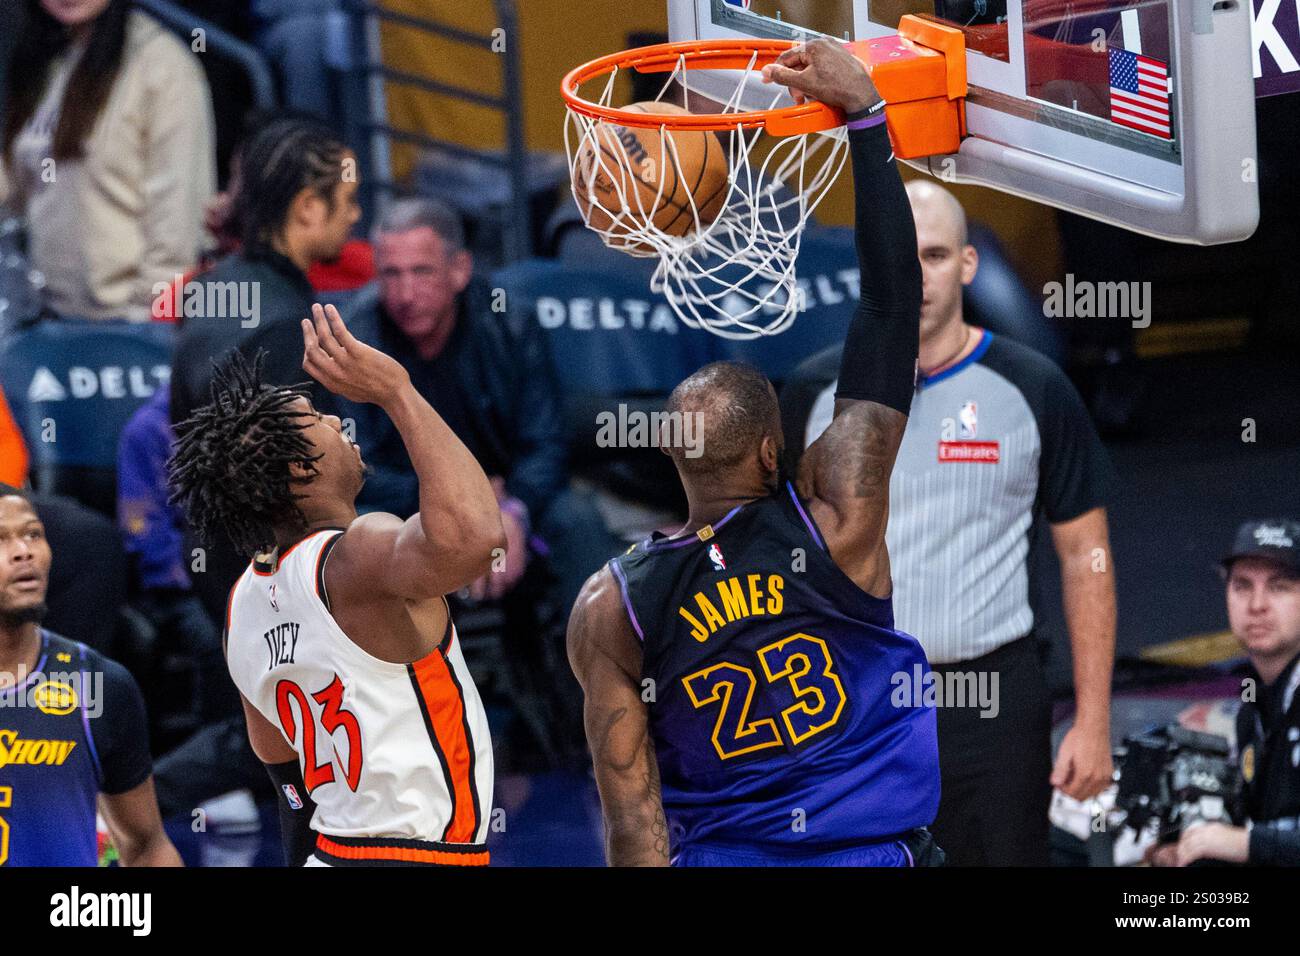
(314, 360)
(324, 336)
(310, 343)
(339, 329)
(308, 336)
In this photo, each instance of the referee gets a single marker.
(997, 436)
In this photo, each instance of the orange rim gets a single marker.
(794, 120)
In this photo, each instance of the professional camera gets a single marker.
(1177, 776)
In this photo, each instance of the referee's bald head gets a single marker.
(940, 209)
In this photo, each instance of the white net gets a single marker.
(733, 275)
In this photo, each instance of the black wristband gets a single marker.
(864, 113)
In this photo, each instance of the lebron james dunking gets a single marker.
(738, 674)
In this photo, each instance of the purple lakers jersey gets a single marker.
(770, 678)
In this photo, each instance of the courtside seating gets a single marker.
(615, 347)
(829, 283)
(609, 335)
(72, 385)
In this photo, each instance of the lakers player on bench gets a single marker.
(738, 674)
(337, 634)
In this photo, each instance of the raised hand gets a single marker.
(347, 366)
(824, 70)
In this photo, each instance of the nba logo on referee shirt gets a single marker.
(715, 555)
(966, 450)
(969, 420)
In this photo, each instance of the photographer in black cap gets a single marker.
(1262, 574)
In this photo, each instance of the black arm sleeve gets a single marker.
(121, 731)
(296, 811)
(1270, 846)
(879, 363)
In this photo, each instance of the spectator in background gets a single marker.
(491, 380)
(151, 527)
(13, 450)
(296, 203)
(295, 35)
(351, 269)
(1262, 585)
(152, 533)
(108, 152)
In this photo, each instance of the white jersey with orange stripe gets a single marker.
(397, 757)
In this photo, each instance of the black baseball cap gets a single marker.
(1277, 540)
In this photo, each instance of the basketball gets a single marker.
(637, 177)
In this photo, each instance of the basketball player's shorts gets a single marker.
(916, 848)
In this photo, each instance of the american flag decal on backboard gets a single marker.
(1139, 93)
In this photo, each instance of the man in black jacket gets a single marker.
(488, 373)
(1262, 573)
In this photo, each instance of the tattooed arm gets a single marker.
(606, 659)
(844, 475)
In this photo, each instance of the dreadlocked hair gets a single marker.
(229, 468)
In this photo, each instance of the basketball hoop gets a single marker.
(728, 266)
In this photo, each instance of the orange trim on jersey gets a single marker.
(445, 709)
(400, 854)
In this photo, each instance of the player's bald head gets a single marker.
(733, 407)
(937, 212)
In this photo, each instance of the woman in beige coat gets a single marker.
(108, 152)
